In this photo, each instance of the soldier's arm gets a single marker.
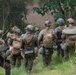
(40, 37)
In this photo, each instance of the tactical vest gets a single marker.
(47, 38)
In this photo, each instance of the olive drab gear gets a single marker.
(47, 38)
(70, 20)
(28, 47)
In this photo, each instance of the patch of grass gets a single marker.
(57, 67)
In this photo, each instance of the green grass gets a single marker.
(57, 67)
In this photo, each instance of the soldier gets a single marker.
(3, 56)
(45, 40)
(71, 26)
(58, 36)
(15, 43)
(29, 42)
(69, 39)
(36, 36)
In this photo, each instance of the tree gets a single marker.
(61, 8)
(11, 13)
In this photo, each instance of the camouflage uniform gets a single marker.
(3, 61)
(47, 52)
(70, 45)
(70, 25)
(58, 33)
(13, 56)
(58, 36)
(28, 57)
(36, 39)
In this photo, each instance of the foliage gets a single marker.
(55, 68)
(11, 13)
(61, 8)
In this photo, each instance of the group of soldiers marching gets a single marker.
(27, 46)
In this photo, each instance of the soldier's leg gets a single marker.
(58, 50)
(19, 61)
(13, 60)
(51, 53)
(7, 67)
(30, 64)
(62, 52)
(66, 54)
(43, 58)
(47, 58)
(72, 49)
(36, 52)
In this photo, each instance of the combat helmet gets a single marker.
(70, 20)
(60, 21)
(17, 31)
(47, 23)
(14, 28)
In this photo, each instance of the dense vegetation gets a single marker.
(60, 8)
(57, 67)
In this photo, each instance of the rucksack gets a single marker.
(47, 38)
(17, 44)
(29, 39)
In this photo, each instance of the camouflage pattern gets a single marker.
(6, 65)
(47, 54)
(70, 43)
(14, 56)
(3, 58)
(36, 39)
(59, 40)
(29, 57)
(14, 59)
